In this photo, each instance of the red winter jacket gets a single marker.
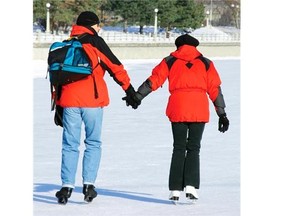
(189, 84)
(93, 92)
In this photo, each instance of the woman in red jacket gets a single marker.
(83, 101)
(191, 77)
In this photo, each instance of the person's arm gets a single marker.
(158, 77)
(111, 64)
(216, 96)
(114, 67)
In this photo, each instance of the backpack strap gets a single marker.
(95, 87)
(77, 37)
(53, 100)
(55, 95)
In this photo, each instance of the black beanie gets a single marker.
(186, 39)
(87, 18)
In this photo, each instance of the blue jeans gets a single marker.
(72, 122)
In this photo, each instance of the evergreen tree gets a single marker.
(171, 14)
(63, 14)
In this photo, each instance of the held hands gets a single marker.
(131, 98)
(223, 123)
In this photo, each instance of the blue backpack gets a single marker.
(68, 62)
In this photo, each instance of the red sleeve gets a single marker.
(116, 71)
(213, 82)
(159, 75)
(101, 53)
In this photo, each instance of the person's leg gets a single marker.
(192, 162)
(179, 131)
(70, 143)
(92, 118)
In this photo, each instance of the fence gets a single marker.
(213, 43)
(118, 37)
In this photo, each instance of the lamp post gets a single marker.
(211, 12)
(48, 18)
(235, 10)
(207, 18)
(155, 23)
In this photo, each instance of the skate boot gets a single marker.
(191, 193)
(174, 196)
(63, 195)
(89, 193)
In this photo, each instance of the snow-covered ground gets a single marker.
(137, 147)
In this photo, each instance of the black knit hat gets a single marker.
(87, 18)
(186, 39)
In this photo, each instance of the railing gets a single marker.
(118, 37)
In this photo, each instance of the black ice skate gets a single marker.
(89, 193)
(63, 195)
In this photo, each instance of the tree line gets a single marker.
(171, 13)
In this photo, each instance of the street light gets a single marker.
(48, 18)
(155, 23)
(235, 10)
(211, 12)
(207, 18)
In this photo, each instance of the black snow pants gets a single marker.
(185, 162)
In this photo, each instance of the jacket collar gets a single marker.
(186, 52)
(77, 30)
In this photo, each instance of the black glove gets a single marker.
(130, 98)
(223, 123)
(58, 116)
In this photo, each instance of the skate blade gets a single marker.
(88, 199)
(62, 201)
(174, 200)
(191, 201)
(185, 202)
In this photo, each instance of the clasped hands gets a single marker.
(132, 98)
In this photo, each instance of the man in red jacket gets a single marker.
(191, 77)
(83, 101)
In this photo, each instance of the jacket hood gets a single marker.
(186, 52)
(77, 30)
